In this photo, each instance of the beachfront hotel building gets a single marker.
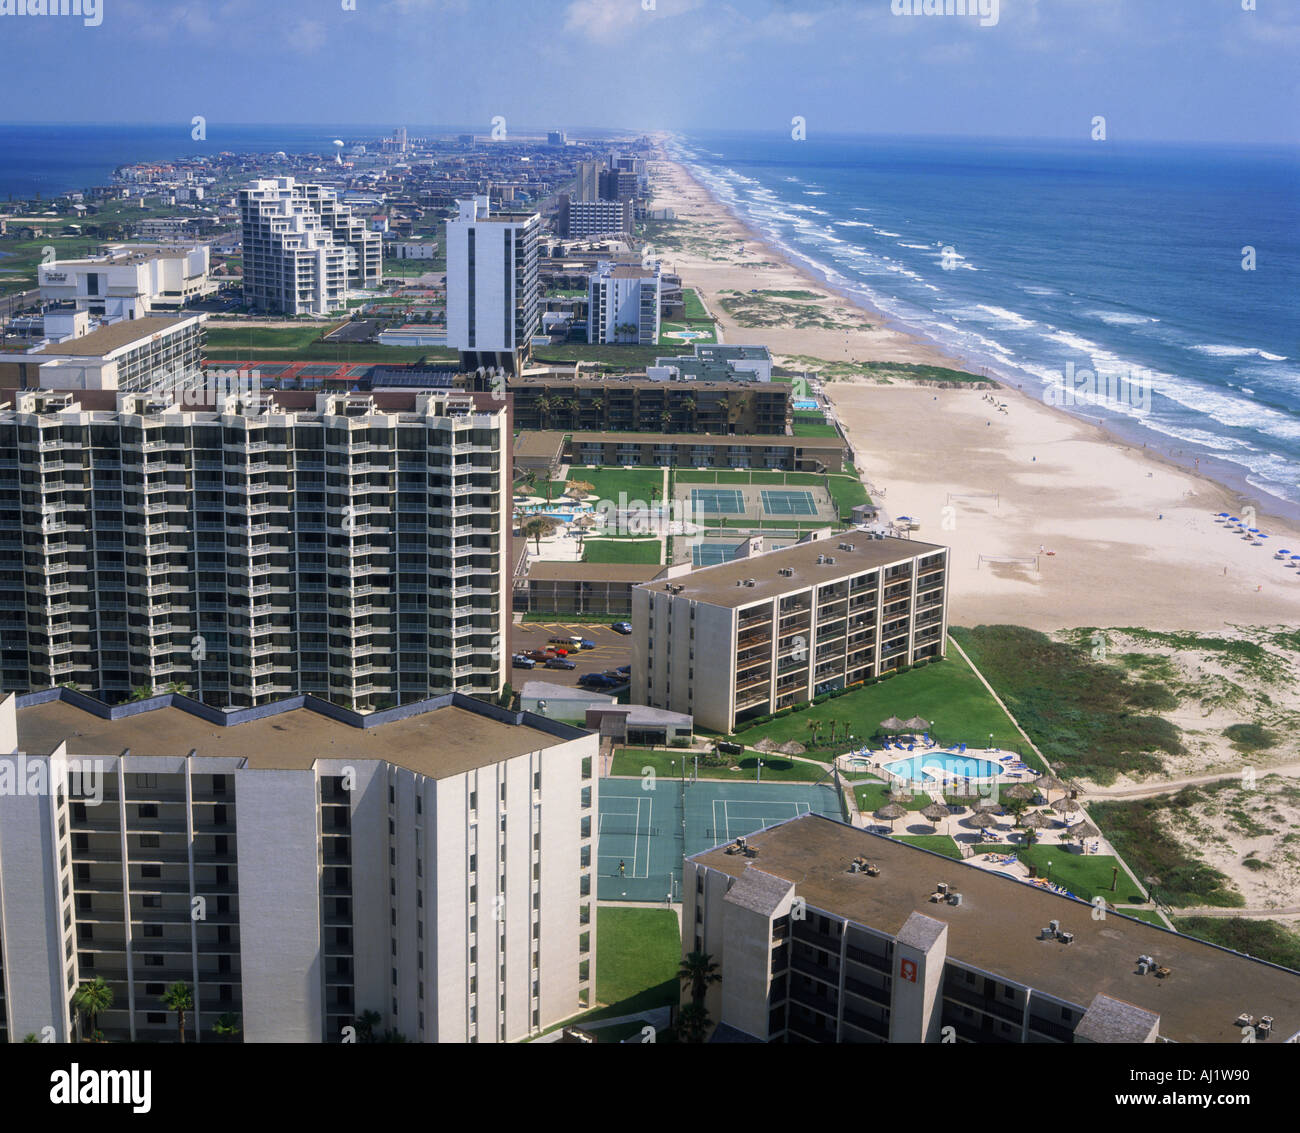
(346, 545)
(765, 632)
(920, 948)
(586, 219)
(130, 354)
(303, 249)
(623, 304)
(129, 282)
(493, 290)
(297, 866)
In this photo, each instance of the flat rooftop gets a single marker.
(438, 743)
(996, 928)
(107, 339)
(717, 585)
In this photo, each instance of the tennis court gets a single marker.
(649, 825)
(782, 501)
(711, 554)
(717, 501)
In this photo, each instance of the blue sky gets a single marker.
(1156, 69)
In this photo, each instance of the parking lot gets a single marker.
(612, 650)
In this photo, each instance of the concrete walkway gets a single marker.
(1169, 786)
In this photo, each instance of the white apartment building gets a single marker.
(125, 355)
(493, 292)
(768, 631)
(297, 866)
(128, 283)
(623, 304)
(581, 219)
(303, 249)
(351, 546)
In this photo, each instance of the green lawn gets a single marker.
(1084, 875)
(637, 954)
(607, 483)
(694, 308)
(1150, 916)
(776, 768)
(1266, 940)
(937, 843)
(608, 357)
(264, 338)
(801, 428)
(680, 345)
(1136, 831)
(946, 692)
(872, 796)
(648, 551)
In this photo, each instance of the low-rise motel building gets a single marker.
(297, 865)
(765, 632)
(826, 933)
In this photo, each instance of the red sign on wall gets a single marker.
(907, 970)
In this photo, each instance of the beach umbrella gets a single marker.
(918, 722)
(1020, 791)
(987, 804)
(893, 724)
(982, 819)
(892, 812)
(936, 813)
(1084, 829)
(1065, 807)
(1036, 820)
(1048, 783)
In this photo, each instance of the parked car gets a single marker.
(622, 627)
(571, 640)
(598, 681)
(624, 671)
(584, 643)
(520, 661)
(538, 655)
(560, 663)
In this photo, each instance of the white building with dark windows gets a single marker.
(303, 249)
(623, 304)
(299, 867)
(493, 290)
(128, 283)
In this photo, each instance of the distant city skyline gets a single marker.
(1197, 71)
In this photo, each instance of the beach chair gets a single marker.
(911, 747)
(961, 749)
(929, 741)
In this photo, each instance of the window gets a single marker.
(149, 841)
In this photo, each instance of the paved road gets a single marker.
(1219, 911)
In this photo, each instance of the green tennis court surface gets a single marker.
(779, 501)
(711, 554)
(718, 501)
(641, 826)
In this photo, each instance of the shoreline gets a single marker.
(1122, 534)
(1218, 475)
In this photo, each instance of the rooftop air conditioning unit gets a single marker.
(1067, 938)
(830, 560)
(1054, 927)
(846, 546)
(954, 898)
(942, 887)
(749, 582)
(821, 559)
(1143, 968)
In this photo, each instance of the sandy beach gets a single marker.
(1131, 536)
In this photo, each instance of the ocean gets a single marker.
(1046, 262)
(53, 159)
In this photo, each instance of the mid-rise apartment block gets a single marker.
(587, 219)
(765, 632)
(346, 545)
(637, 403)
(130, 354)
(303, 249)
(493, 291)
(623, 304)
(128, 283)
(826, 933)
(298, 867)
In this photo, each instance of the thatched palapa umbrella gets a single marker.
(982, 819)
(936, 813)
(892, 812)
(918, 722)
(1049, 783)
(893, 724)
(1020, 791)
(1035, 820)
(1065, 807)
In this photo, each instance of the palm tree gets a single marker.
(140, 692)
(92, 999)
(227, 1025)
(538, 527)
(179, 998)
(365, 1024)
(698, 970)
(692, 1023)
(178, 687)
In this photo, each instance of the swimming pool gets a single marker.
(801, 404)
(939, 765)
